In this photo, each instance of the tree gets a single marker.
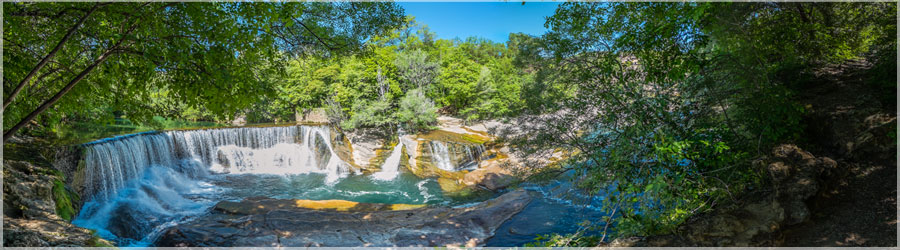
(660, 106)
(211, 55)
(417, 111)
(416, 69)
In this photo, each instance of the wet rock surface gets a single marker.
(292, 226)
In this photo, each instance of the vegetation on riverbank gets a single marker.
(661, 108)
(669, 103)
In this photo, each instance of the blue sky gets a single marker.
(491, 20)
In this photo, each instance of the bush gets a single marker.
(417, 111)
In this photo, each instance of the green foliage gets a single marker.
(664, 104)
(63, 199)
(417, 111)
(152, 58)
(564, 240)
(404, 78)
(416, 69)
(82, 132)
(376, 113)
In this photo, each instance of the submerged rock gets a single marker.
(290, 225)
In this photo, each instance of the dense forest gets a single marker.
(663, 109)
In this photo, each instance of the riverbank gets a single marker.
(839, 189)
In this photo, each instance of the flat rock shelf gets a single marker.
(268, 223)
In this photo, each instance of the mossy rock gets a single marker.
(447, 136)
(63, 199)
(457, 190)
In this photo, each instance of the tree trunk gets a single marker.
(8, 134)
(47, 58)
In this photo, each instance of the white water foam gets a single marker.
(135, 186)
(391, 167)
(441, 156)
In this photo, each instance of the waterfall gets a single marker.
(283, 155)
(111, 163)
(441, 156)
(137, 185)
(455, 156)
(391, 166)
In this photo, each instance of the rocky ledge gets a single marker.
(289, 223)
(37, 209)
(796, 176)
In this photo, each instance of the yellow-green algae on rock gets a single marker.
(261, 205)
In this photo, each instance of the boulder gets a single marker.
(289, 225)
(493, 174)
(47, 233)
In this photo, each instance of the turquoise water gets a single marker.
(405, 189)
(143, 209)
(138, 186)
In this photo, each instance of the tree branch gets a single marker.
(47, 58)
(111, 50)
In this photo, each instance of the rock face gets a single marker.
(30, 210)
(365, 147)
(796, 176)
(493, 174)
(28, 191)
(293, 226)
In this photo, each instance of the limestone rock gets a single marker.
(27, 191)
(259, 205)
(365, 146)
(30, 210)
(291, 226)
(47, 232)
(493, 174)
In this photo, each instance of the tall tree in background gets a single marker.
(219, 56)
(416, 68)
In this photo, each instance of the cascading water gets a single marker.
(441, 156)
(391, 167)
(282, 155)
(138, 185)
(455, 157)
